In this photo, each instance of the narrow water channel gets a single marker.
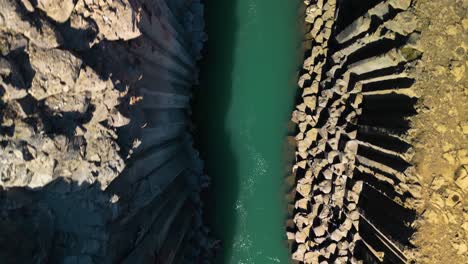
(242, 108)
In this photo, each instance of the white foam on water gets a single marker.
(277, 260)
(252, 10)
(258, 168)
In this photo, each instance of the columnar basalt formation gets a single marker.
(356, 190)
(96, 156)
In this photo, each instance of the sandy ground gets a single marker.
(440, 132)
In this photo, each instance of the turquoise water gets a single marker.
(242, 109)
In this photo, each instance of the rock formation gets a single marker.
(96, 156)
(356, 189)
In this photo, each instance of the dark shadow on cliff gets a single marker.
(211, 106)
(29, 224)
(149, 213)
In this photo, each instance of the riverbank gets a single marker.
(381, 134)
(352, 156)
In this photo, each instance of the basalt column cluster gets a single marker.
(96, 156)
(356, 190)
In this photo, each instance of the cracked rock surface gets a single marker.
(96, 161)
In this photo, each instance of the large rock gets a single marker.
(58, 10)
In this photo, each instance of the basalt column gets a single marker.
(96, 156)
(356, 189)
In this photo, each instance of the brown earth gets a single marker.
(439, 134)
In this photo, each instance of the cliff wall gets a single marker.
(381, 147)
(96, 156)
(356, 189)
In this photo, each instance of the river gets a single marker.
(242, 107)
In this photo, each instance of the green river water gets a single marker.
(242, 108)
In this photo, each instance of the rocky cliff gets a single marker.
(381, 147)
(356, 187)
(96, 156)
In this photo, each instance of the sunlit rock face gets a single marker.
(96, 156)
(356, 187)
